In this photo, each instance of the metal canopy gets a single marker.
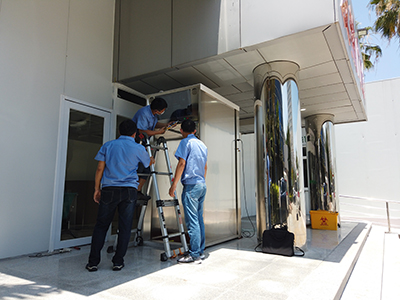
(328, 83)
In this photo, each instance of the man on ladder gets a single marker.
(146, 120)
(191, 170)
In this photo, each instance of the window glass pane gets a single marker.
(85, 137)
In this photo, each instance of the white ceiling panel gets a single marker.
(245, 111)
(324, 90)
(244, 63)
(347, 117)
(327, 105)
(324, 98)
(241, 96)
(351, 90)
(335, 111)
(244, 115)
(357, 107)
(344, 70)
(318, 70)
(334, 42)
(305, 50)
(249, 109)
(220, 72)
(322, 80)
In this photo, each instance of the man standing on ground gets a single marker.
(191, 170)
(116, 170)
(146, 120)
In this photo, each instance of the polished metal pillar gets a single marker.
(321, 159)
(280, 186)
(261, 185)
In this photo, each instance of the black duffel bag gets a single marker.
(278, 240)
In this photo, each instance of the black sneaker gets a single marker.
(91, 268)
(140, 196)
(118, 267)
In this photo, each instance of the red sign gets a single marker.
(352, 38)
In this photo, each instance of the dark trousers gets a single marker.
(113, 198)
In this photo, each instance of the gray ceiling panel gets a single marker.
(220, 72)
(189, 76)
(141, 86)
(227, 90)
(162, 82)
(245, 86)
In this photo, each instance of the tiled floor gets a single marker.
(232, 270)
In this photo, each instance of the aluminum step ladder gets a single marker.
(161, 204)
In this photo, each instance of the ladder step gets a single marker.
(158, 147)
(143, 175)
(157, 173)
(166, 203)
(169, 236)
(174, 235)
(162, 173)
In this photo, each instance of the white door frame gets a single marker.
(67, 104)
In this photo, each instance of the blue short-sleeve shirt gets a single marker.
(144, 119)
(194, 152)
(122, 157)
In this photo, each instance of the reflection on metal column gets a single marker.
(261, 188)
(280, 185)
(322, 162)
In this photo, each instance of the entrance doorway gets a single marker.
(83, 130)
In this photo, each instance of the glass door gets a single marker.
(83, 131)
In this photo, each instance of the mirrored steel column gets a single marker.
(280, 185)
(321, 158)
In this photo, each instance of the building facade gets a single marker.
(60, 60)
(368, 157)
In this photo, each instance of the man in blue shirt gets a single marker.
(117, 173)
(191, 170)
(146, 120)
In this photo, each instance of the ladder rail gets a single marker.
(164, 203)
(181, 228)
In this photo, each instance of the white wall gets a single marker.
(174, 32)
(47, 48)
(262, 22)
(368, 156)
(177, 32)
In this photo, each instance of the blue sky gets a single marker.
(388, 66)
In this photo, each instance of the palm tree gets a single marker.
(388, 21)
(368, 50)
